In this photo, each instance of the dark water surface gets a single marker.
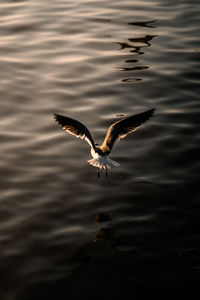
(64, 234)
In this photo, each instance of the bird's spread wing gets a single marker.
(75, 128)
(123, 127)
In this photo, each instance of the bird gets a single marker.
(118, 130)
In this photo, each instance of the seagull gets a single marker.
(116, 131)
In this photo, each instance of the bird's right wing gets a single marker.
(76, 128)
(123, 127)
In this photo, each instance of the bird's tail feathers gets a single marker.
(103, 162)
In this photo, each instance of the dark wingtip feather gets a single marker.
(60, 119)
(55, 117)
(151, 111)
(146, 115)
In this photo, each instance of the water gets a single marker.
(63, 232)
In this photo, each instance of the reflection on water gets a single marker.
(131, 79)
(144, 39)
(145, 24)
(135, 45)
(63, 232)
(134, 68)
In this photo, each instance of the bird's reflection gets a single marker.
(82, 256)
(131, 60)
(103, 232)
(102, 217)
(105, 237)
(145, 39)
(133, 68)
(144, 24)
(135, 46)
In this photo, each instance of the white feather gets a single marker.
(103, 162)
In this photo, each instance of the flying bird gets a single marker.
(116, 131)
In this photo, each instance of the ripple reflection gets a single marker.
(135, 46)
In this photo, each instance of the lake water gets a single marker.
(64, 233)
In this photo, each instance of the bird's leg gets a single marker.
(106, 171)
(98, 173)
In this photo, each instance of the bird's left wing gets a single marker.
(76, 128)
(123, 127)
